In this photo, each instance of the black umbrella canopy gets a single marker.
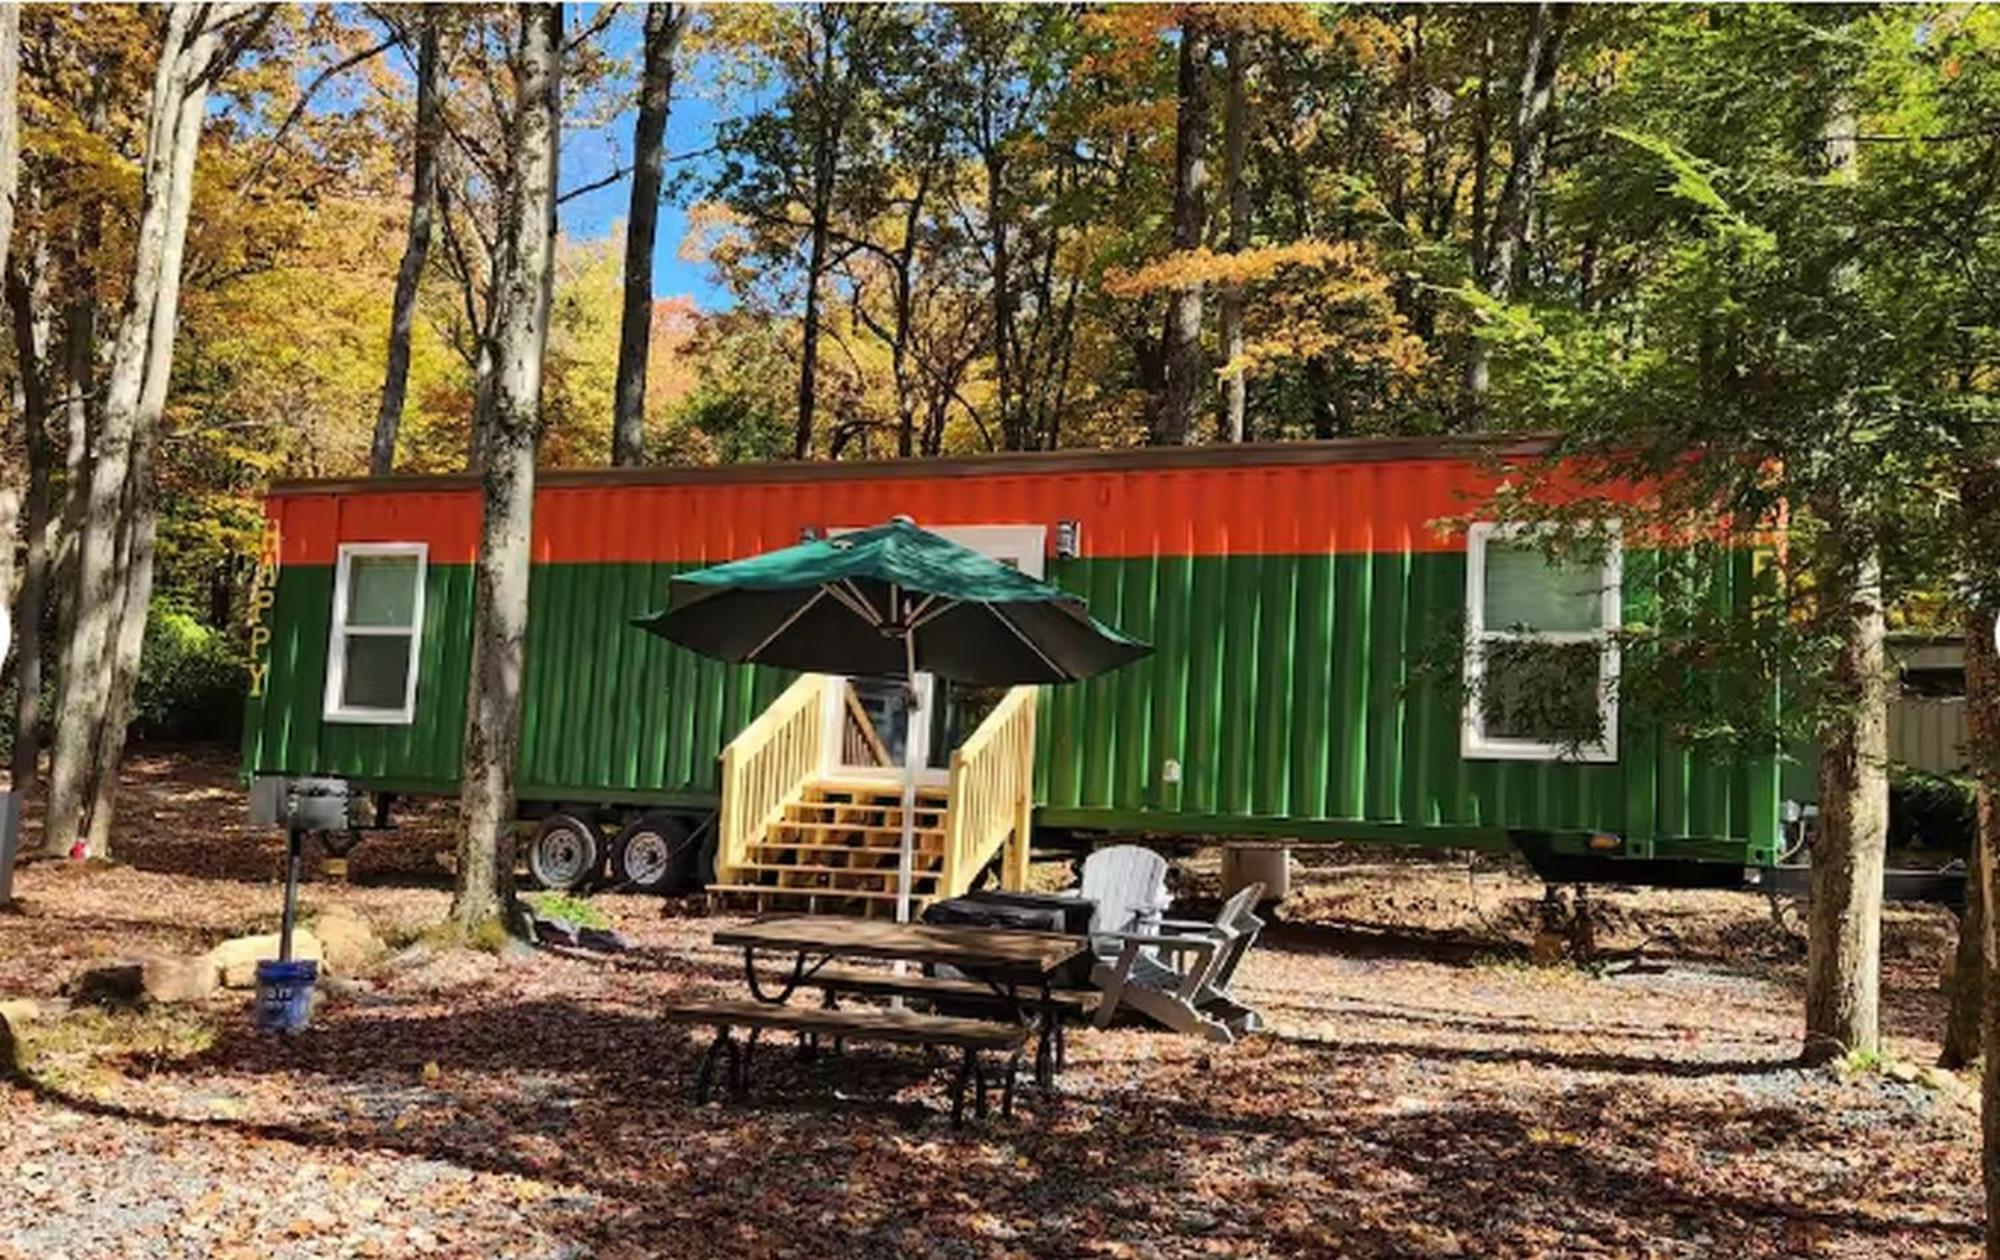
(887, 601)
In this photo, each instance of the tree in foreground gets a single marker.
(1760, 374)
(507, 479)
(114, 565)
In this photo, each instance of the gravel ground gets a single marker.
(1424, 1091)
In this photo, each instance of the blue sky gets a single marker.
(590, 155)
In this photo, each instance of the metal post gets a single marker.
(10, 835)
(295, 847)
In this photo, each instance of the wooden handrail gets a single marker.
(769, 763)
(992, 795)
(859, 736)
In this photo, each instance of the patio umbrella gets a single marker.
(890, 601)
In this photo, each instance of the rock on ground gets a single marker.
(236, 959)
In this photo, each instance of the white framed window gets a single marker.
(1541, 652)
(378, 629)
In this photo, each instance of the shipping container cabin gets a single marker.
(1294, 594)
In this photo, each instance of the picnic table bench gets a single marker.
(1008, 971)
(960, 993)
(972, 1036)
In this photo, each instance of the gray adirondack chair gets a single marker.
(1178, 973)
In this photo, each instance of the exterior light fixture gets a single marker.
(1069, 539)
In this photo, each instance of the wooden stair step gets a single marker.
(890, 871)
(820, 809)
(887, 791)
(892, 829)
(917, 900)
(890, 850)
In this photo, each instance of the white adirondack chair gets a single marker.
(1128, 885)
(1178, 973)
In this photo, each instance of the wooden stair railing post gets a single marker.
(1014, 871)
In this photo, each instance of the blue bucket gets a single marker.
(284, 994)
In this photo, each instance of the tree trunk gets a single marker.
(10, 170)
(1844, 918)
(1965, 1023)
(1533, 111)
(141, 521)
(27, 295)
(1235, 139)
(86, 685)
(809, 331)
(416, 250)
(1982, 695)
(664, 23)
(1182, 342)
(1013, 434)
(507, 479)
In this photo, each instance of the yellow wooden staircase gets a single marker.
(794, 836)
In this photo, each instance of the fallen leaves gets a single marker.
(1424, 1096)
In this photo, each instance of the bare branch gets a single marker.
(595, 184)
(597, 24)
(305, 98)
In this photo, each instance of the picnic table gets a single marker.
(1017, 968)
(1011, 969)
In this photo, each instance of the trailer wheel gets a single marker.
(566, 853)
(654, 854)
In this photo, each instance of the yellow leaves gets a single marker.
(1204, 266)
(1306, 300)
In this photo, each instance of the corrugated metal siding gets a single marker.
(610, 708)
(283, 732)
(1928, 733)
(1319, 688)
(606, 708)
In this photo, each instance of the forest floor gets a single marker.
(1424, 1091)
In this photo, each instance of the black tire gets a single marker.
(654, 854)
(566, 854)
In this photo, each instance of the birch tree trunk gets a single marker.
(507, 478)
(1235, 139)
(141, 517)
(1844, 917)
(664, 24)
(1182, 341)
(1533, 113)
(416, 250)
(86, 681)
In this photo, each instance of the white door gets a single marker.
(943, 713)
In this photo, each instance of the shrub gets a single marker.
(1931, 811)
(192, 680)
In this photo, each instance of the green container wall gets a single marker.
(1314, 691)
(1283, 685)
(609, 712)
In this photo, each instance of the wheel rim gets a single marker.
(561, 857)
(648, 858)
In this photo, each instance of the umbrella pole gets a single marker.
(905, 857)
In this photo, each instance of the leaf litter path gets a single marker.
(1424, 1094)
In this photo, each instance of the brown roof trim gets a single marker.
(1365, 450)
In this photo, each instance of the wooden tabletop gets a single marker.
(971, 948)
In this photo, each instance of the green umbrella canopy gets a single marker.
(885, 601)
